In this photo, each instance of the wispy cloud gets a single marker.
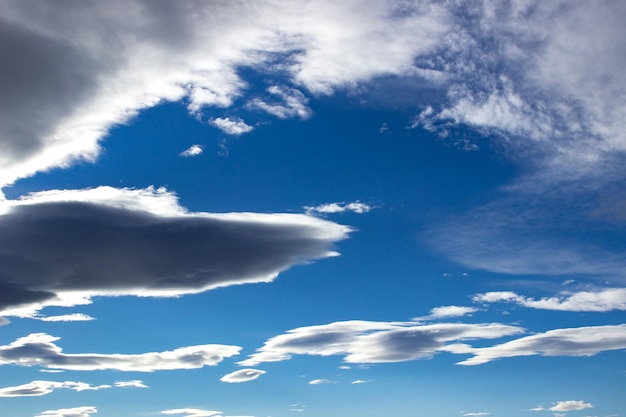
(603, 300)
(39, 349)
(355, 207)
(39, 388)
(570, 406)
(84, 411)
(242, 375)
(320, 381)
(195, 412)
(358, 381)
(193, 150)
(477, 414)
(292, 103)
(375, 342)
(580, 341)
(209, 250)
(230, 126)
(447, 312)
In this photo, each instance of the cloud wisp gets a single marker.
(234, 127)
(608, 299)
(331, 208)
(39, 388)
(63, 247)
(84, 411)
(39, 349)
(195, 412)
(193, 150)
(242, 375)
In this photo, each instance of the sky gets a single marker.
(312, 208)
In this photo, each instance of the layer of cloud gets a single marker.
(230, 126)
(355, 207)
(38, 388)
(603, 300)
(580, 341)
(375, 342)
(39, 349)
(63, 247)
(84, 411)
(193, 150)
(196, 412)
(242, 375)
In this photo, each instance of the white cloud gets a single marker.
(230, 126)
(355, 207)
(193, 150)
(570, 406)
(292, 103)
(602, 300)
(476, 414)
(376, 342)
(39, 388)
(242, 375)
(209, 250)
(320, 381)
(579, 341)
(447, 312)
(196, 412)
(359, 381)
(39, 349)
(65, 317)
(85, 411)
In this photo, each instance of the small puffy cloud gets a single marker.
(242, 375)
(447, 312)
(114, 240)
(579, 341)
(193, 150)
(38, 349)
(376, 342)
(291, 103)
(603, 300)
(358, 381)
(320, 381)
(570, 406)
(230, 126)
(355, 207)
(196, 412)
(85, 411)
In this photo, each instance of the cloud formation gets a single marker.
(230, 126)
(320, 381)
(447, 312)
(39, 349)
(570, 406)
(193, 150)
(242, 375)
(196, 412)
(355, 207)
(579, 341)
(84, 411)
(375, 342)
(63, 247)
(603, 300)
(38, 388)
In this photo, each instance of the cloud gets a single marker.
(570, 406)
(65, 85)
(375, 342)
(476, 414)
(242, 375)
(355, 207)
(604, 300)
(320, 381)
(358, 381)
(39, 388)
(230, 126)
(195, 412)
(39, 349)
(292, 103)
(40, 265)
(447, 312)
(579, 341)
(85, 411)
(65, 317)
(193, 150)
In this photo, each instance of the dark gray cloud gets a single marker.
(39, 349)
(48, 248)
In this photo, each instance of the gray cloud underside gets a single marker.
(49, 249)
(39, 349)
(544, 74)
(380, 342)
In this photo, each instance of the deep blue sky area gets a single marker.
(326, 209)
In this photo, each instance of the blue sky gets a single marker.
(316, 208)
